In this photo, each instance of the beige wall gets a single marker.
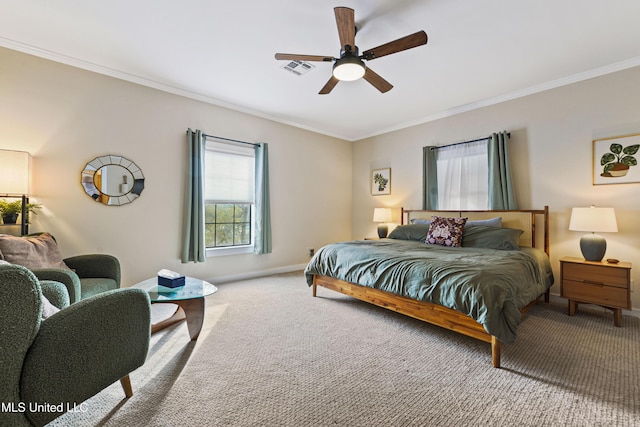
(551, 148)
(66, 116)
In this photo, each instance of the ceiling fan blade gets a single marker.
(404, 43)
(298, 57)
(329, 86)
(378, 82)
(345, 18)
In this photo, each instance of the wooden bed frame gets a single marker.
(436, 314)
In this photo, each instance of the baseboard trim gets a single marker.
(256, 274)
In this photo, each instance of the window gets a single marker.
(472, 175)
(227, 224)
(229, 197)
(463, 176)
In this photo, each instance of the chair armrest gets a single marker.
(95, 265)
(55, 292)
(85, 348)
(67, 277)
(19, 323)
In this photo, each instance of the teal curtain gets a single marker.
(501, 191)
(193, 245)
(262, 243)
(429, 179)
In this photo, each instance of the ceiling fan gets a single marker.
(351, 66)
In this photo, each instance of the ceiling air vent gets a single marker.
(298, 67)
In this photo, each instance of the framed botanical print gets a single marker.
(615, 160)
(381, 182)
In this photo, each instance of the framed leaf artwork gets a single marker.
(381, 182)
(615, 160)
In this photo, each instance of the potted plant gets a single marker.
(617, 162)
(11, 210)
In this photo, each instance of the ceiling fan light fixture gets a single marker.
(348, 68)
(351, 65)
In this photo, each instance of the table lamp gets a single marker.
(382, 215)
(14, 172)
(594, 220)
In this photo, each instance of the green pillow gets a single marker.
(494, 222)
(417, 232)
(484, 236)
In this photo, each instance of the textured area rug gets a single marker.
(272, 355)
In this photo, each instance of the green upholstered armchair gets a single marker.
(70, 356)
(89, 275)
(83, 275)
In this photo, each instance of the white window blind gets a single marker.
(229, 173)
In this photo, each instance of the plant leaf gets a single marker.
(616, 148)
(608, 167)
(632, 149)
(606, 158)
(629, 161)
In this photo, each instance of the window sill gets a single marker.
(235, 250)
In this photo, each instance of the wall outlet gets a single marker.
(311, 252)
(633, 285)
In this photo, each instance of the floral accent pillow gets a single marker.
(445, 231)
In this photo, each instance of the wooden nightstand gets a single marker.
(601, 283)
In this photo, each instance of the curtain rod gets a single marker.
(465, 142)
(232, 140)
(229, 139)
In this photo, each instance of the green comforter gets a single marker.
(487, 284)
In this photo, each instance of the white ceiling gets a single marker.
(220, 51)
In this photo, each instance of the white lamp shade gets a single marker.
(382, 215)
(595, 220)
(14, 172)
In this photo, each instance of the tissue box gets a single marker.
(171, 283)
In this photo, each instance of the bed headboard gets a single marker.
(525, 220)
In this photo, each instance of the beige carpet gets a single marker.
(271, 355)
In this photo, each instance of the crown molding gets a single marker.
(100, 69)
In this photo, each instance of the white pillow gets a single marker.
(48, 309)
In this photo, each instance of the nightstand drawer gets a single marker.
(596, 275)
(594, 293)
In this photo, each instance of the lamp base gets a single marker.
(382, 231)
(593, 247)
